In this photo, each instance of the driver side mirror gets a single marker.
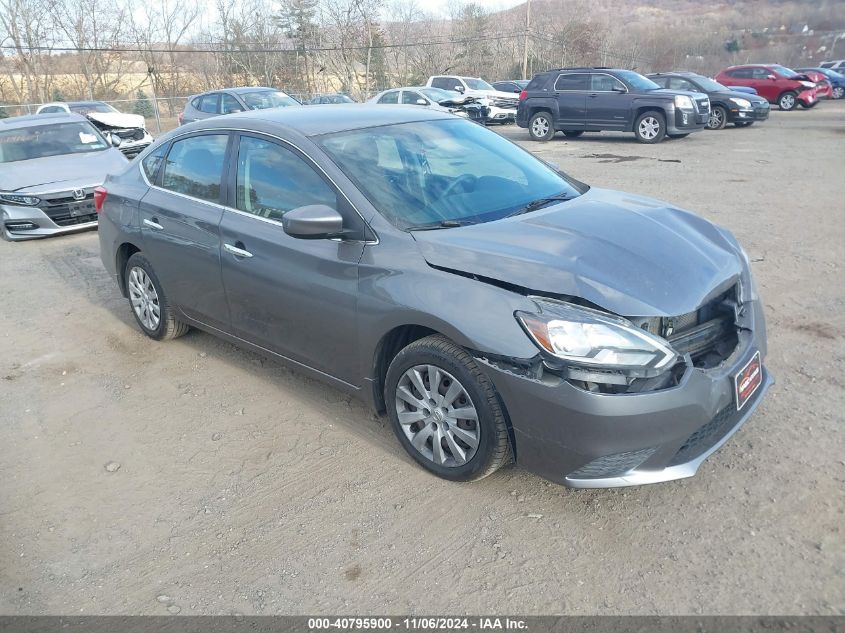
(422, 102)
(313, 222)
(619, 90)
(770, 77)
(113, 139)
(459, 89)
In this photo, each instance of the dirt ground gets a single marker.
(193, 477)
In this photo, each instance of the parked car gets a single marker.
(776, 83)
(495, 308)
(232, 100)
(501, 105)
(49, 167)
(578, 100)
(836, 79)
(837, 65)
(331, 99)
(511, 85)
(726, 106)
(131, 128)
(824, 88)
(416, 96)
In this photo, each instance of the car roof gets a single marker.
(33, 120)
(684, 73)
(311, 121)
(236, 90)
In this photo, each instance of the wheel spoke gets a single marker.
(452, 392)
(464, 413)
(467, 437)
(434, 383)
(457, 452)
(416, 378)
(409, 417)
(419, 439)
(437, 447)
(405, 394)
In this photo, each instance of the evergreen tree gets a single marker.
(143, 105)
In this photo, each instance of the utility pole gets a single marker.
(525, 48)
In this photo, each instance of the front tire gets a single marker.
(787, 101)
(718, 118)
(838, 92)
(650, 127)
(541, 127)
(149, 303)
(445, 411)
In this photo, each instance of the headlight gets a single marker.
(14, 198)
(807, 84)
(594, 339)
(683, 102)
(742, 103)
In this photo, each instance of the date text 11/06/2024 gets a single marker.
(421, 623)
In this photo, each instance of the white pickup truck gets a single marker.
(501, 105)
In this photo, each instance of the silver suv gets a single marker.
(231, 100)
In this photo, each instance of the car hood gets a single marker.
(55, 173)
(117, 119)
(491, 94)
(631, 255)
(736, 94)
(693, 94)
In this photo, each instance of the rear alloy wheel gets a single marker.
(787, 101)
(650, 127)
(540, 127)
(572, 133)
(445, 410)
(838, 92)
(718, 118)
(149, 304)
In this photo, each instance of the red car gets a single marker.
(774, 82)
(824, 89)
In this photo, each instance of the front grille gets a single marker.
(502, 102)
(64, 210)
(704, 438)
(134, 134)
(614, 465)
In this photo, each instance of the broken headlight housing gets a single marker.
(595, 340)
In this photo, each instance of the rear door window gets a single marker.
(676, 83)
(410, 97)
(194, 166)
(568, 82)
(208, 103)
(390, 97)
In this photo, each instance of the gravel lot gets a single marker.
(193, 477)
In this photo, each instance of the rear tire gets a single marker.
(541, 127)
(454, 447)
(650, 127)
(572, 133)
(149, 304)
(787, 101)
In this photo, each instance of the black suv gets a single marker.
(578, 100)
(726, 105)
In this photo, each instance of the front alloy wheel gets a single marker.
(787, 101)
(718, 118)
(650, 127)
(838, 92)
(437, 415)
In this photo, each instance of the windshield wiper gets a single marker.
(441, 224)
(541, 202)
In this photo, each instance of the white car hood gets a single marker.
(117, 119)
(491, 94)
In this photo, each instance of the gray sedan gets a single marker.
(496, 309)
(49, 167)
(233, 100)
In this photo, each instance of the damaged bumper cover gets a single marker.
(585, 439)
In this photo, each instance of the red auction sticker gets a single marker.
(748, 380)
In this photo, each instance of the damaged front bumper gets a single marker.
(584, 439)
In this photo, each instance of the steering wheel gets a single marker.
(466, 179)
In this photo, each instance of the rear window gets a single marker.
(194, 166)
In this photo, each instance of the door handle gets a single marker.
(593, 96)
(153, 224)
(237, 252)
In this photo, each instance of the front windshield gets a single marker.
(85, 108)
(784, 71)
(426, 173)
(264, 99)
(49, 140)
(709, 85)
(477, 84)
(636, 80)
